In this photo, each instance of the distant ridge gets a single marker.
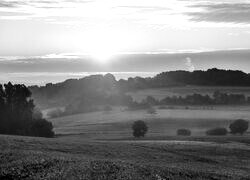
(69, 90)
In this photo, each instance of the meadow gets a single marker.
(74, 157)
(100, 145)
(118, 122)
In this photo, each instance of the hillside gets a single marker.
(67, 92)
(73, 158)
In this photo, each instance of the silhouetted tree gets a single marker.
(17, 113)
(42, 128)
(140, 128)
(217, 132)
(239, 126)
(183, 132)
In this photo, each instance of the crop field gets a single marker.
(71, 157)
(161, 93)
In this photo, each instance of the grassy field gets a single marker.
(100, 146)
(161, 93)
(117, 123)
(73, 157)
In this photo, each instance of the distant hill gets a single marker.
(71, 90)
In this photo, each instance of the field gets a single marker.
(117, 123)
(99, 145)
(72, 157)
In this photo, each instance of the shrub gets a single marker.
(217, 132)
(239, 126)
(42, 128)
(140, 128)
(183, 132)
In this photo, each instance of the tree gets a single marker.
(42, 128)
(217, 132)
(17, 111)
(140, 128)
(37, 114)
(239, 126)
(183, 132)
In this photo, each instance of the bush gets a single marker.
(239, 126)
(183, 132)
(140, 128)
(217, 132)
(42, 128)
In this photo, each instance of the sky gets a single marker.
(51, 40)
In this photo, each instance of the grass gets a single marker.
(98, 145)
(72, 157)
(117, 123)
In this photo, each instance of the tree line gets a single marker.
(239, 126)
(67, 92)
(217, 98)
(211, 77)
(18, 115)
(101, 101)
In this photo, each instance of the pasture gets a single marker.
(117, 123)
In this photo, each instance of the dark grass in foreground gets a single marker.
(74, 158)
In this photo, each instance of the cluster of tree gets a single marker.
(218, 98)
(211, 77)
(71, 90)
(18, 115)
(67, 92)
(91, 102)
(239, 126)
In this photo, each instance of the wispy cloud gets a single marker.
(233, 12)
(172, 12)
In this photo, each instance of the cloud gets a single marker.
(146, 8)
(189, 64)
(10, 4)
(221, 12)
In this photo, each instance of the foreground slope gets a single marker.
(73, 158)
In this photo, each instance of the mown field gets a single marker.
(72, 157)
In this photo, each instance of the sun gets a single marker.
(102, 44)
(103, 51)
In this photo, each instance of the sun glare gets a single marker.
(103, 43)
